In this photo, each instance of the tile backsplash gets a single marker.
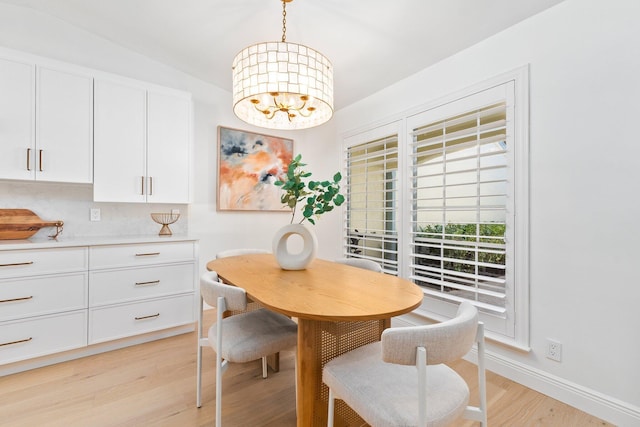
(72, 204)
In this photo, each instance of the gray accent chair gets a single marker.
(367, 264)
(242, 337)
(403, 380)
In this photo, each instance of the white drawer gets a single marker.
(25, 339)
(31, 262)
(113, 322)
(115, 286)
(23, 297)
(117, 256)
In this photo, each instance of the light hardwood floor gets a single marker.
(153, 384)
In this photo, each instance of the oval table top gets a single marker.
(325, 290)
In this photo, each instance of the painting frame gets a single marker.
(249, 163)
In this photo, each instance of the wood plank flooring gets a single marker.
(153, 384)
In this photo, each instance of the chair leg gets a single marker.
(199, 357)
(482, 380)
(218, 391)
(331, 409)
(264, 366)
(199, 377)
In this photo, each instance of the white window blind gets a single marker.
(433, 197)
(371, 228)
(459, 207)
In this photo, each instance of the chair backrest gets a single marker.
(444, 342)
(367, 264)
(241, 251)
(211, 288)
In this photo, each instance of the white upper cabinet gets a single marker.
(168, 147)
(119, 142)
(142, 143)
(45, 123)
(17, 118)
(64, 132)
(64, 123)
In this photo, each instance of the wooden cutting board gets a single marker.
(22, 224)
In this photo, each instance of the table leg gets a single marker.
(319, 342)
(308, 367)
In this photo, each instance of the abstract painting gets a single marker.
(248, 165)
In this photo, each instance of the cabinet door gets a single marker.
(64, 136)
(17, 151)
(168, 147)
(119, 142)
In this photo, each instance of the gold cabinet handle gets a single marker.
(151, 186)
(148, 317)
(40, 160)
(16, 264)
(29, 159)
(142, 185)
(149, 254)
(16, 342)
(152, 282)
(16, 299)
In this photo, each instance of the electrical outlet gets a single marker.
(554, 350)
(95, 214)
(175, 211)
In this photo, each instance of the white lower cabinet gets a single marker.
(123, 320)
(32, 296)
(65, 298)
(140, 288)
(43, 302)
(42, 335)
(132, 284)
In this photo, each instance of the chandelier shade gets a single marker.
(282, 85)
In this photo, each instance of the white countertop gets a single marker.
(62, 242)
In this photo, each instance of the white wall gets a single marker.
(29, 31)
(584, 61)
(584, 67)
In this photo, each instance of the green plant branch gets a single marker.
(319, 196)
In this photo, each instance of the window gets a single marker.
(440, 209)
(372, 200)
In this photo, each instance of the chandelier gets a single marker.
(282, 85)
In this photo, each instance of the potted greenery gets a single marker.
(316, 198)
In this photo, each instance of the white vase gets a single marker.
(294, 261)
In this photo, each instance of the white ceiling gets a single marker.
(372, 43)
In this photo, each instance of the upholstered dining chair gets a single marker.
(240, 251)
(402, 380)
(367, 264)
(239, 338)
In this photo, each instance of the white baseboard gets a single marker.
(585, 399)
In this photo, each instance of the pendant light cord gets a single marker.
(284, 21)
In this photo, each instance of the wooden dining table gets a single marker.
(338, 308)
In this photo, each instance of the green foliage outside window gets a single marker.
(489, 234)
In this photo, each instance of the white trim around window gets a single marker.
(507, 94)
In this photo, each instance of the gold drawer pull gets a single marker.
(148, 317)
(29, 159)
(152, 282)
(16, 299)
(16, 342)
(16, 264)
(41, 164)
(149, 254)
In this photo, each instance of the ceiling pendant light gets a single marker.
(282, 85)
